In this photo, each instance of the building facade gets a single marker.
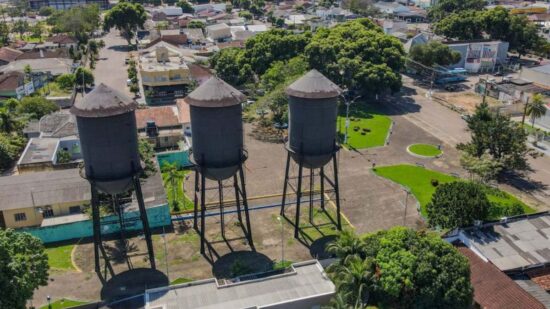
(480, 56)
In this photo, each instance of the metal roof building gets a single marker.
(305, 286)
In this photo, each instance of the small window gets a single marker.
(74, 210)
(47, 212)
(20, 216)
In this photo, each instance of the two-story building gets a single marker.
(164, 74)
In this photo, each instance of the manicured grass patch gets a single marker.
(183, 200)
(64, 303)
(180, 281)
(425, 150)
(60, 257)
(419, 181)
(367, 128)
(322, 224)
(282, 264)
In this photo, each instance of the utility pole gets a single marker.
(524, 111)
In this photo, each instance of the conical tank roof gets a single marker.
(103, 101)
(215, 93)
(313, 85)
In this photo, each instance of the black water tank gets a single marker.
(108, 135)
(217, 128)
(313, 108)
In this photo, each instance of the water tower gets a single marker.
(218, 150)
(108, 137)
(312, 141)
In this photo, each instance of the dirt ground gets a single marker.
(369, 203)
(465, 100)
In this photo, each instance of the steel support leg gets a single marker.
(97, 227)
(337, 192)
(298, 197)
(145, 222)
(196, 201)
(322, 187)
(203, 180)
(245, 205)
(285, 184)
(222, 217)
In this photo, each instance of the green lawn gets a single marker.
(425, 150)
(180, 280)
(60, 257)
(64, 303)
(419, 181)
(364, 117)
(180, 197)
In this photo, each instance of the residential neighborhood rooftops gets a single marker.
(514, 245)
(9, 81)
(55, 66)
(58, 124)
(9, 54)
(295, 289)
(533, 288)
(163, 116)
(39, 150)
(43, 188)
(493, 289)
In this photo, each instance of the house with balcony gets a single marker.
(480, 56)
(165, 75)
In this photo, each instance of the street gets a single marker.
(448, 126)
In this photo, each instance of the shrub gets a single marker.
(434, 182)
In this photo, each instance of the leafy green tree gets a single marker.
(83, 77)
(231, 66)
(28, 73)
(504, 140)
(283, 71)
(66, 81)
(524, 35)
(20, 26)
(78, 21)
(11, 146)
(457, 204)
(36, 107)
(443, 8)
(358, 55)
(23, 267)
(63, 156)
(37, 30)
(126, 17)
(46, 11)
(347, 245)
(246, 15)
(403, 268)
(196, 24)
(362, 7)
(4, 33)
(11, 105)
(464, 25)
(496, 23)
(278, 105)
(536, 108)
(434, 53)
(147, 155)
(8, 121)
(185, 6)
(484, 167)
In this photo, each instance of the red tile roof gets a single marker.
(11, 80)
(163, 116)
(199, 73)
(493, 289)
(183, 111)
(9, 54)
(541, 277)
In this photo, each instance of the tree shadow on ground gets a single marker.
(240, 263)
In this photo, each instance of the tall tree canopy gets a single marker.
(36, 107)
(443, 8)
(79, 21)
(126, 17)
(23, 268)
(401, 268)
(463, 25)
(231, 66)
(358, 55)
(457, 204)
(495, 134)
(434, 53)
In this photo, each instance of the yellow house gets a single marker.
(42, 198)
(164, 73)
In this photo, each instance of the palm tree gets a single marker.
(353, 280)
(346, 245)
(536, 109)
(172, 175)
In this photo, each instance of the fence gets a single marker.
(158, 216)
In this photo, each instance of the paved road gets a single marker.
(448, 126)
(110, 68)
